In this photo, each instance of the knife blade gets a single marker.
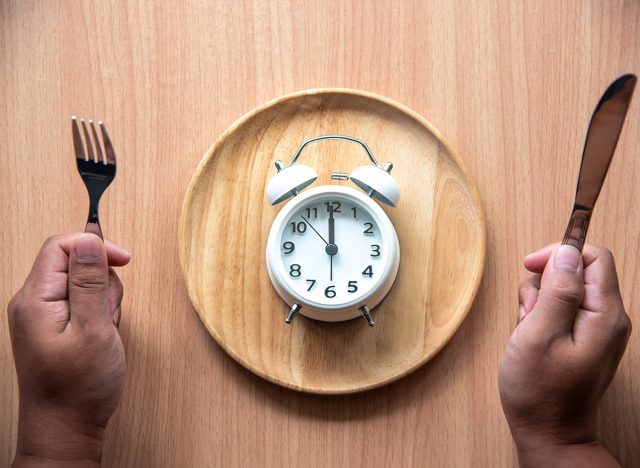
(602, 137)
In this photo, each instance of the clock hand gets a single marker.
(331, 227)
(331, 268)
(314, 229)
(331, 247)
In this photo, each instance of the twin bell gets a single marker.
(373, 179)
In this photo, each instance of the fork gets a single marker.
(97, 169)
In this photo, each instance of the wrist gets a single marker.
(585, 455)
(55, 437)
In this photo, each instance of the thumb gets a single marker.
(88, 281)
(561, 293)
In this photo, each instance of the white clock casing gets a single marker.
(343, 308)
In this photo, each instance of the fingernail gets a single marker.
(521, 313)
(88, 248)
(567, 258)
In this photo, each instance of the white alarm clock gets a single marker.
(332, 252)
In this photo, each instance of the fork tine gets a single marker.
(87, 140)
(77, 140)
(108, 148)
(96, 140)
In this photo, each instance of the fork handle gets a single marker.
(576, 232)
(93, 222)
(94, 228)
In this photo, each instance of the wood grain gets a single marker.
(226, 220)
(510, 84)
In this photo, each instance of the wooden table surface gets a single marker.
(511, 85)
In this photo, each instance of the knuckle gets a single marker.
(12, 308)
(607, 256)
(17, 304)
(623, 327)
(17, 310)
(13, 303)
(52, 241)
(603, 254)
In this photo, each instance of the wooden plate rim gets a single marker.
(389, 102)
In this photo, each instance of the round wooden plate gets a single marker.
(226, 218)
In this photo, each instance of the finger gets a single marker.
(47, 281)
(528, 293)
(603, 319)
(561, 294)
(116, 255)
(536, 261)
(88, 281)
(600, 277)
(116, 292)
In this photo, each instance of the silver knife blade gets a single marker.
(602, 137)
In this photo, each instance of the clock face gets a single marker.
(335, 249)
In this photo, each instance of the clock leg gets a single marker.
(367, 315)
(292, 313)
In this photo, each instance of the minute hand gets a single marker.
(331, 227)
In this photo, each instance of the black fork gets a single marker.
(97, 168)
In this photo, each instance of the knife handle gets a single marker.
(576, 232)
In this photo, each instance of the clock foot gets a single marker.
(365, 311)
(292, 313)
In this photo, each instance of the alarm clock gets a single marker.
(332, 253)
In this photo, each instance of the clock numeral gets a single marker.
(354, 211)
(330, 292)
(369, 229)
(313, 282)
(288, 247)
(294, 270)
(353, 286)
(300, 227)
(311, 210)
(333, 206)
(375, 250)
(368, 271)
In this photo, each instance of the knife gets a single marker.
(602, 137)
